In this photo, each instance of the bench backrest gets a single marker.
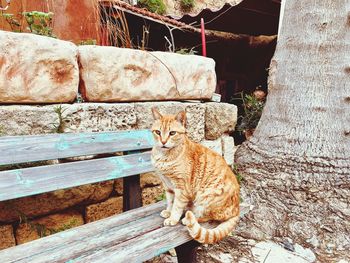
(23, 182)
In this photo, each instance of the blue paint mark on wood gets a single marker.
(21, 180)
(162, 250)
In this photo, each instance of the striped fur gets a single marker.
(195, 178)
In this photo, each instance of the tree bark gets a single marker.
(296, 167)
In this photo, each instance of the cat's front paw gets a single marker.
(165, 214)
(170, 222)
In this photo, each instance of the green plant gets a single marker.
(186, 51)
(239, 176)
(59, 128)
(88, 42)
(72, 223)
(155, 6)
(161, 197)
(252, 110)
(187, 4)
(12, 21)
(39, 23)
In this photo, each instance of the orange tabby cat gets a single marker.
(195, 179)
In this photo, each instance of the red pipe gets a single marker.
(204, 44)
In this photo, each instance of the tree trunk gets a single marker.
(297, 164)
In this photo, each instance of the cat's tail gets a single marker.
(208, 236)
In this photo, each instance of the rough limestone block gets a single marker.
(98, 117)
(152, 195)
(228, 148)
(48, 225)
(24, 120)
(7, 239)
(195, 113)
(214, 145)
(105, 209)
(111, 74)
(220, 118)
(37, 69)
(195, 121)
(52, 202)
(79, 117)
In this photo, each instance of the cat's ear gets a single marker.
(156, 114)
(181, 117)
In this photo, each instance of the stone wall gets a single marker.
(25, 219)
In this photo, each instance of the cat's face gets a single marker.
(168, 130)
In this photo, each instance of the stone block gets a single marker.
(48, 225)
(37, 69)
(97, 117)
(195, 115)
(52, 202)
(105, 209)
(26, 120)
(111, 74)
(7, 239)
(220, 118)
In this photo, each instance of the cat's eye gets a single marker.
(157, 132)
(172, 133)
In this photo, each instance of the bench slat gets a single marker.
(71, 245)
(20, 149)
(141, 248)
(30, 181)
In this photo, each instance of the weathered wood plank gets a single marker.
(141, 248)
(133, 236)
(30, 181)
(146, 246)
(70, 245)
(20, 149)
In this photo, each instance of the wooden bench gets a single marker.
(133, 236)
